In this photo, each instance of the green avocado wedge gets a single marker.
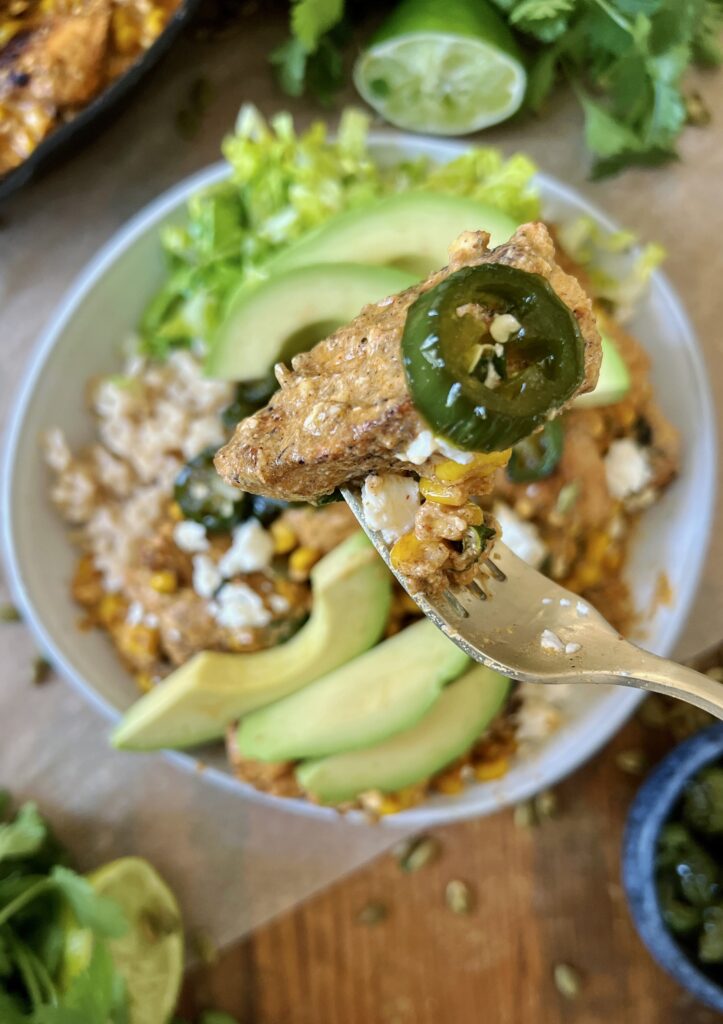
(365, 701)
(273, 320)
(412, 231)
(614, 381)
(351, 596)
(460, 715)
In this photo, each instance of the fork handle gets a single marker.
(673, 680)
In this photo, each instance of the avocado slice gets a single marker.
(292, 310)
(411, 231)
(459, 716)
(375, 696)
(613, 382)
(351, 596)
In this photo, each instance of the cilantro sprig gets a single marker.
(625, 59)
(39, 895)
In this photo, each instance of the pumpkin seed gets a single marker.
(372, 913)
(422, 851)
(525, 815)
(546, 804)
(41, 671)
(567, 981)
(458, 897)
(632, 762)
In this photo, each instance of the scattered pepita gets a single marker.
(9, 613)
(40, 671)
(525, 815)
(458, 897)
(372, 913)
(567, 981)
(546, 804)
(420, 852)
(632, 762)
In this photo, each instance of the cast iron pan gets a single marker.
(92, 117)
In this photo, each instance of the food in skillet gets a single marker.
(436, 384)
(231, 611)
(58, 55)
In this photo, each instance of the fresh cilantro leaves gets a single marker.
(43, 907)
(311, 59)
(626, 60)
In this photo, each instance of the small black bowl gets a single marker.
(651, 809)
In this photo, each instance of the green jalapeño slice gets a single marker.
(477, 393)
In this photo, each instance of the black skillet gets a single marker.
(98, 110)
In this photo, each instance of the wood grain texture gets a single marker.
(544, 895)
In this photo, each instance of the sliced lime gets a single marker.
(445, 68)
(150, 954)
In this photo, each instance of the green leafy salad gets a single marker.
(283, 185)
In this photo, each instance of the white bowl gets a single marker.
(83, 339)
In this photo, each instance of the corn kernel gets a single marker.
(587, 575)
(449, 784)
(111, 608)
(125, 31)
(613, 559)
(597, 547)
(174, 511)
(486, 771)
(154, 22)
(434, 490)
(164, 582)
(144, 682)
(301, 562)
(8, 29)
(407, 548)
(139, 644)
(284, 538)
(483, 464)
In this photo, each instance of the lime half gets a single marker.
(150, 955)
(446, 68)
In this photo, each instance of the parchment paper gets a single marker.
(234, 864)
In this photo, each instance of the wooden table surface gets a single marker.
(545, 895)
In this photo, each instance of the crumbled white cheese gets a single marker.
(252, 549)
(135, 614)
(521, 537)
(206, 576)
(503, 327)
(425, 444)
(582, 608)
(572, 648)
(550, 641)
(279, 603)
(390, 504)
(547, 600)
(565, 602)
(537, 719)
(237, 605)
(627, 468)
(190, 536)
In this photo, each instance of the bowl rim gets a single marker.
(648, 813)
(574, 747)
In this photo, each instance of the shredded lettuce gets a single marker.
(617, 267)
(282, 185)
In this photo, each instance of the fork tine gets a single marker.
(455, 604)
(478, 590)
(494, 570)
